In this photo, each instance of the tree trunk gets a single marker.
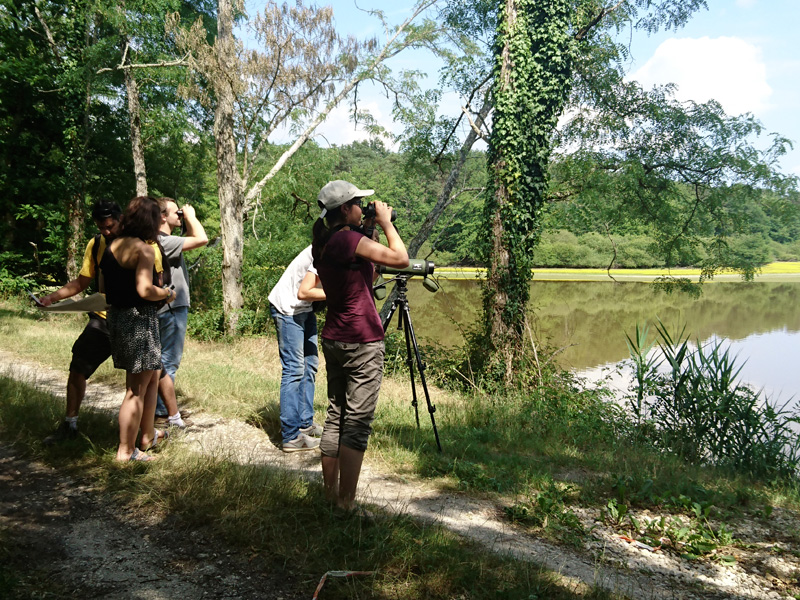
(231, 205)
(495, 292)
(533, 67)
(74, 242)
(134, 117)
(75, 214)
(443, 201)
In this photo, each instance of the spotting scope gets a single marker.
(416, 266)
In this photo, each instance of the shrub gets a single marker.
(11, 284)
(700, 411)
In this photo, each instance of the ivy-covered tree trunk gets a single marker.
(231, 201)
(533, 60)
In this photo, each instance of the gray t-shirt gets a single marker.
(173, 249)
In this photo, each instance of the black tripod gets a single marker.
(404, 323)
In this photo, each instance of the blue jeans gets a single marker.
(172, 326)
(297, 347)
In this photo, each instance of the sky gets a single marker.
(741, 53)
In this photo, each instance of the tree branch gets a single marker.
(50, 39)
(475, 90)
(583, 31)
(165, 63)
(303, 138)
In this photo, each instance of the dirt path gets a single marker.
(68, 543)
(762, 571)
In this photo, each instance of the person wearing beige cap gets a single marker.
(352, 339)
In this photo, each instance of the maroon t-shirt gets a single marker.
(347, 281)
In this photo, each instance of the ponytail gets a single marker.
(322, 232)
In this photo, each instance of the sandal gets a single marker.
(161, 434)
(139, 456)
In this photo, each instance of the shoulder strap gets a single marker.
(166, 270)
(95, 252)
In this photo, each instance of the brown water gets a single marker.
(589, 320)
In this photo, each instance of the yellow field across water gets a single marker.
(778, 271)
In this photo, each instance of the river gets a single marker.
(588, 320)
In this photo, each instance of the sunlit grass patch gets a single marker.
(506, 445)
(279, 518)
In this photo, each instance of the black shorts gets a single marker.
(92, 348)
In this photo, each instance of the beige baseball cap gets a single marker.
(336, 193)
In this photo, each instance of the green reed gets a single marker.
(699, 410)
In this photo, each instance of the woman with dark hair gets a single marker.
(352, 339)
(129, 270)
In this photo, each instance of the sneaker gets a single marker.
(176, 422)
(312, 430)
(64, 432)
(300, 443)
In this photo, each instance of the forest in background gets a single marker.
(101, 100)
(275, 235)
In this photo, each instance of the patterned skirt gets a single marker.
(135, 341)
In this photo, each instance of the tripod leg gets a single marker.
(410, 362)
(431, 408)
(389, 316)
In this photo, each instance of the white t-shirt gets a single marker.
(284, 295)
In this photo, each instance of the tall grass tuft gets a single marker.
(644, 363)
(700, 411)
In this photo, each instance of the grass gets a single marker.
(508, 446)
(279, 518)
(526, 451)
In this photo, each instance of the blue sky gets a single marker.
(742, 53)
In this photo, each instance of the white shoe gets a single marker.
(176, 422)
(300, 443)
(312, 430)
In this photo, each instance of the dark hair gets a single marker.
(104, 209)
(142, 219)
(324, 228)
(162, 203)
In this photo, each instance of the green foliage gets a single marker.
(533, 53)
(64, 134)
(693, 539)
(60, 145)
(699, 411)
(644, 363)
(540, 507)
(12, 284)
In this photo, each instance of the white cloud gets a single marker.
(340, 130)
(726, 69)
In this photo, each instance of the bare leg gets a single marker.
(330, 478)
(149, 411)
(130, 413)
(166, 387)
(350, 468)
(76, 390)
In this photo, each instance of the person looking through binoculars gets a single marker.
(352, 339)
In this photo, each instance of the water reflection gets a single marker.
(588, 320)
